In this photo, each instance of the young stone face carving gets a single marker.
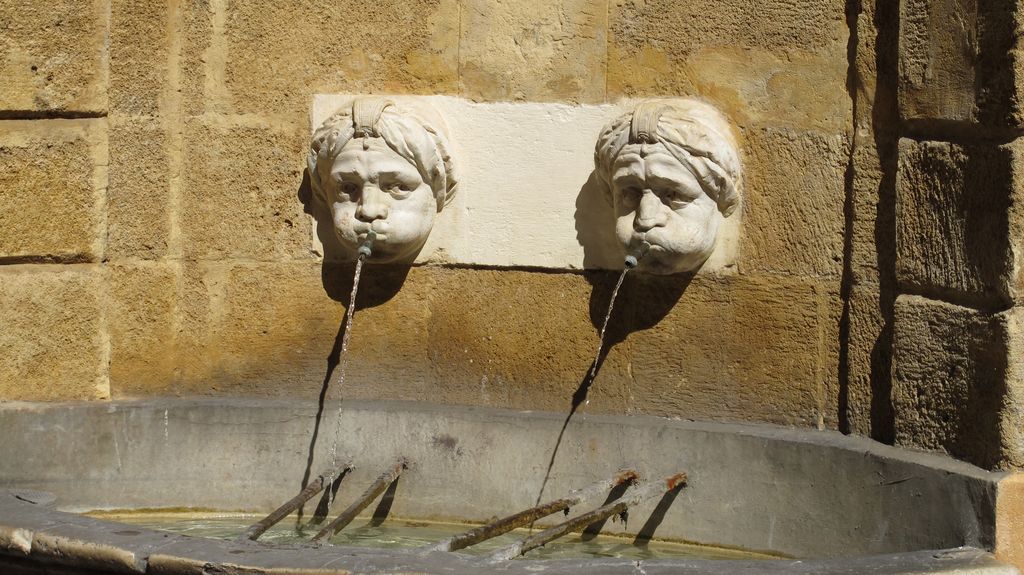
(672, 172)
(379, 169)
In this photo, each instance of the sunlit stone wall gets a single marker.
(153, 240)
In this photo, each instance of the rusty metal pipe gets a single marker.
(638, 495)
(376, 488)
(506, 524)
(316, 486)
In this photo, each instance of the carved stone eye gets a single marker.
(675, 199)
(349, 189)
(399, 190)
(630, 196)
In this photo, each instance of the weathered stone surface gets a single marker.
(959, 61)
(57, 548)
(950, 379)
(1009, 529)
(958, 224)
(53, 56)
(52, 185)
(520, 340)
(710, 358)
(138, 202)
(142, 302)
(829, 353)
(239, 196)
(875, 143)
(222, 328)
(269, 327)
(15, 541)
(252, 344)
(871, 210)
(875, 67)
(191, 334)
(505, 338)
(269, 59)
(866, 398)
(139, 55)
(1012, 415)
(775, 63)
(869, 266)
(434, 335)
(199, 60)
(390, 350)
(52, 338)
(536, 51)
(865, 186)
(523, 340)
(793, 202)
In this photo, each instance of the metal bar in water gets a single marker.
(321, 482)
(506, 524)
(639, 495)
(371, 493)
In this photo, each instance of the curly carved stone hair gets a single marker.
(694, 132)
(410, 137)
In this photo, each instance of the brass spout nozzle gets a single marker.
(366, 248)
(632, 260)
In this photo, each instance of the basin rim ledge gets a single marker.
(37, 536)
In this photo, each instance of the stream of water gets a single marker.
(364, 252)
(604, 327)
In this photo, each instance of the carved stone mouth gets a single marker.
(362, 230)
(639, 239)
(380, 237)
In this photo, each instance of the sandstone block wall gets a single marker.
(955, 382)
(153, 240)
(55, 57)
(929, 324)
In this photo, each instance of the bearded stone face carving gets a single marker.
(672, 172)
(377, 167)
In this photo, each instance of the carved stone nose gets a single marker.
(373, 204)
(650, 213)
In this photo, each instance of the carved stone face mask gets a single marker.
(672, 173)
(657, 200)
(370, 187)
(377, 169)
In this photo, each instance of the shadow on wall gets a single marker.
(313, 206)
(316, 209)
(378, 284)
(865, 403)
(643, 301)
(594, 217)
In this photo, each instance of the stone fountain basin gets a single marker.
(838, 504)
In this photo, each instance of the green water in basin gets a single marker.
(400, 533)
